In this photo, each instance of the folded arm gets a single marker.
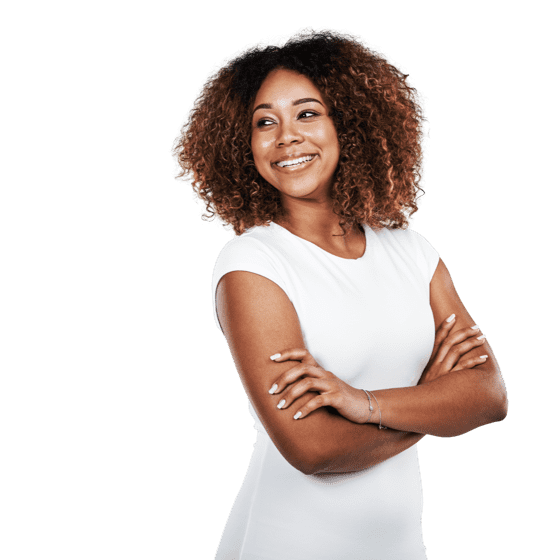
(448, 406)
(456, 402)
(257, 318)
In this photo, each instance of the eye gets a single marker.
(264, 122)
(310, 113)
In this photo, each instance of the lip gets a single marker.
(293, 156)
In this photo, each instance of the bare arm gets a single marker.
(257, 318)
(365, 449)
(457, 402)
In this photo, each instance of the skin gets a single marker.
(458, 391)
(281, 129)
(449, 354)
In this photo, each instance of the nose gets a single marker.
(288, 133)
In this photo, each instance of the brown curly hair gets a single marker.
(377, 118)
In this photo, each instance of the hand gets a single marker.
(450, 349)
(309, 376)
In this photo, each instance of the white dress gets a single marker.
(369, 321)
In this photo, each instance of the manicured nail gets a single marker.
(297, 415)
(276, 356)
(273, 389)
(483, 357)
(449, 319)
(475, 328)
(281, 403)
(480, 337)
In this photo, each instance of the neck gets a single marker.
(318, 225)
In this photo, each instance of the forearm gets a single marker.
(365, 446)
(451, 405)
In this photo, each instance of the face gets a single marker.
(294, 141)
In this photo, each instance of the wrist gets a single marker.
(375, 417)
(369, 407)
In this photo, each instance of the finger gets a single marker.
(442, 333)
(460, 350)
(301, 354)
(453, 339)
(293, 374)
(298, 389)
(469, 363)
(310, 406)
(455, 354)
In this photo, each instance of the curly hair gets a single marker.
(377, 119)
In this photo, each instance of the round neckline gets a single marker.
(323, 250)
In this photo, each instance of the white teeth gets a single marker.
(297, 161)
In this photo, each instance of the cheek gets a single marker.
(259, 159)
(329, 138)
(333, 143)
(256, 150)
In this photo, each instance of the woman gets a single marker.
(340, 319)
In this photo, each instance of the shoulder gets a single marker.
(414, 245)
(255, 243)
(408, 238)
(251, 249)
(254, 251)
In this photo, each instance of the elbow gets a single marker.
(501, 409)
(307, 469)
(309, 465)
(497, 411)
(490, 412)
(300, 461)
(312, 464)
(497, 398)
(301, 465)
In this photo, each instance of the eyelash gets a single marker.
(260, 122)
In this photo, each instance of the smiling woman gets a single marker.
(294, 140)
(340, 319)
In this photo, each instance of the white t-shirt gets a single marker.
(369, 321)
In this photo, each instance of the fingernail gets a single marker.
(273, 389)
(449, 319)
(275, 356)
(297, 415)
(475, 328)
(480, 337)
(483, 357)
(281, 403)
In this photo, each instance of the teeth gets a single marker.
(297, 161)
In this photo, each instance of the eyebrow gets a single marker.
(297, 102)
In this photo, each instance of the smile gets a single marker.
(297, 162)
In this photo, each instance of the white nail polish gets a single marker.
(449, 319)
(297, 415)
(273, 389)
(475, 328)
(483, 357)
(480, 337)
(275, 356)
(281, 403)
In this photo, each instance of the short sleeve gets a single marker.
(251, 255)
(428, 257)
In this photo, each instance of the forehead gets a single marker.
(281, 87)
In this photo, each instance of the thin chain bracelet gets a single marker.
(380, 426)
(370, 407)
